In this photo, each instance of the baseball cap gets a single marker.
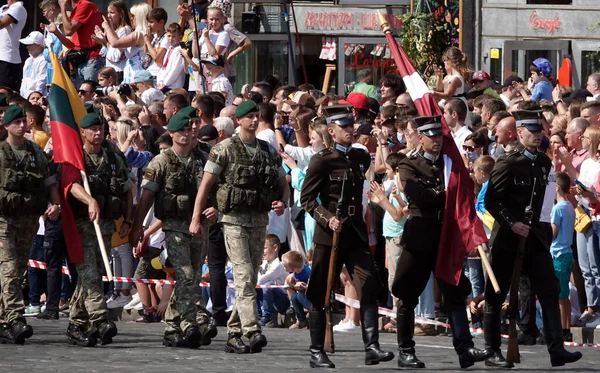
(480, 75)
(214, 61)
(577, 95)
(299, 98)
(34, 37)
(208, 133)
(364, 129)
(142, 76)
(358, 100)
(543, 65)
(510, 80)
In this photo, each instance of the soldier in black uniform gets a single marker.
(509, 192)
(326, 173)
(422, 178)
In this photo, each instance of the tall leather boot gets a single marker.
(493, 341)
(405, 323)
(462, 340)
(21, 331)
(370, 332)
(559, 356)
(318, 357)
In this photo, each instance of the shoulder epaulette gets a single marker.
(325, 151)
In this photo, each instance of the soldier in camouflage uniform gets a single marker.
(171, 182)
(251, 182)
(111, 198)
(26, 187)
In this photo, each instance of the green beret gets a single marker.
(246, 107)
(91, 119)
(190, 111)
(13, 112)
(3, 100)
(178, 121)
(89, 107)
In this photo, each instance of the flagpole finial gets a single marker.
(383, 23)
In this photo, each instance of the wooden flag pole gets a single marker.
(488, 267)
(109, 273)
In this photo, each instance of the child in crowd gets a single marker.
(394, 218)
(216, 69)
(155, 40)
(538, 83)
(164, 291)
(35, 123)
(293, 261)
(107, 77)
(35, 68)
(144, 82)
(213, 40)
(271, 301)
(172, 75)
(482, 167)
(562, 220)
(122, 265)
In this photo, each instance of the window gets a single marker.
(266, 57)
(496, 63)
(374, 57)
(550, 2)
(590, 63)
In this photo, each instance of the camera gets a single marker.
(104, 91)
(124, 90)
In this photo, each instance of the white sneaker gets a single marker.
(594, 321)
(135, 300)
(43, 308)
(348, 327)
(341, 324)
(118, 301)
(138, 307)
(31, 311)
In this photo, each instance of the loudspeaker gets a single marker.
(250, 23)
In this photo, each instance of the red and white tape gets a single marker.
(387, 312)
(41, 265)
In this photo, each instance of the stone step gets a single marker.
(585, 335)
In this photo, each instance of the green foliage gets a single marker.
(424, 40)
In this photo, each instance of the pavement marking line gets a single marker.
(445, 347)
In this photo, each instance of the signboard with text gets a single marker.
(340, 21)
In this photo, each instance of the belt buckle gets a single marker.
(351, 210)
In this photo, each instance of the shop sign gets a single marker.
(548, 24)
(361, 60)
(359, 21)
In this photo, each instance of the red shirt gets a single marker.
(86, 13)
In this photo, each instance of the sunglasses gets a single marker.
(83, 92)
(470, 148)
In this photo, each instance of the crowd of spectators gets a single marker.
(138, 69)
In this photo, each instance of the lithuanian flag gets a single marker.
(66, 111)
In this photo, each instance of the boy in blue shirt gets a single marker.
(562, 219)
(540, 69)
(293, 262)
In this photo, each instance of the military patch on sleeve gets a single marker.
(149, 175)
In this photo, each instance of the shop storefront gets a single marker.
(515, 34)
(336, 42)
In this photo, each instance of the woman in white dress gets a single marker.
(133, 43)
(454, 84)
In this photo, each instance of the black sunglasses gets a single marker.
(470, 148)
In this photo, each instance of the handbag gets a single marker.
(582, 220)
(78, 56)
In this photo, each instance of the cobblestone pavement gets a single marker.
(138, 348)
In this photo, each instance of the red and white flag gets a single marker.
(462, 231)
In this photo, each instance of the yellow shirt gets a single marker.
(116, 240)
(41, 138)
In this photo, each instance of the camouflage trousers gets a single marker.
(186, 254)
(16, 237)
(245, 248)
(87, 304)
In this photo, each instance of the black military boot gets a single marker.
(257, 342)
(491, 333)
(209, 332)
(318, 357)
(462, 340)
(235, 344)
(193, 337)
(370, 333)
(6, 334)
(104, 331)
(21, 331)
(173, 338)
(78, 336)
(405, 323)
(559, 356)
